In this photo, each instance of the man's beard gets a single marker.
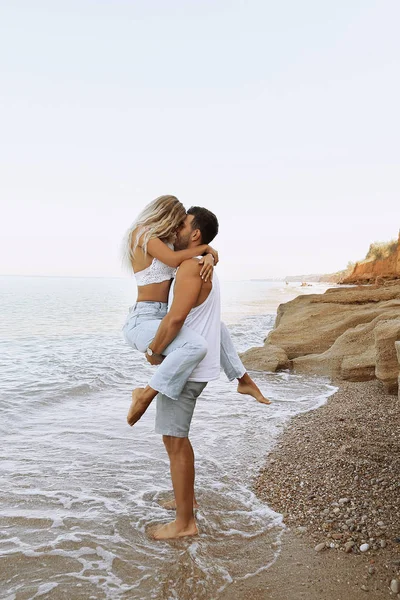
(182, 243)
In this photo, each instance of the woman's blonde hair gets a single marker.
(159, 219)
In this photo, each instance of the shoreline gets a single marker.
(346, 450)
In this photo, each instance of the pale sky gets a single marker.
(280, 117)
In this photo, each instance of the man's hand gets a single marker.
(155, 359)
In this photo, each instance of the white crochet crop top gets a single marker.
(156, 272)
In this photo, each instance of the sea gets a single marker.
(80, 489)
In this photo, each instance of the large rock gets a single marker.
(386, 334)
(270, 358)
(311, 324)
(334, 334)
(397, 346)
(352, 356)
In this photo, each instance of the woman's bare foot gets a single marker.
(140, 404)
(248, 387)
(173, 530)
(171, 504)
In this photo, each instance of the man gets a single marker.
(197, 304)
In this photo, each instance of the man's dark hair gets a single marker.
(206, 221)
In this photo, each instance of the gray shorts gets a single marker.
(173, 417)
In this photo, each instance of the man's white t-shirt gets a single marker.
(206, 321)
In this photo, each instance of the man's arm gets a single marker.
(187, 289)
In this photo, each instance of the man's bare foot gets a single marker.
(173, 530)
(248, 387)
(138, 407)
(171, 504)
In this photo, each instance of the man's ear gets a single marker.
(196, 235)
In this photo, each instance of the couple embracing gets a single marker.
(178, 327)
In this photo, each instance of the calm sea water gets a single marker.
(79, 488)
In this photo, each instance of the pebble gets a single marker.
(320, 547)
(383, 544)
(395, 586)
(364, 547)
(348, 547)
(302, 529)
(364, 588)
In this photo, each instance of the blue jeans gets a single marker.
(182, 355)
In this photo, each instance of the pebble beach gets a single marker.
(334, 475)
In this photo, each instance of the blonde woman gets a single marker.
(149, 250)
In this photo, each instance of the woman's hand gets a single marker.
(211, 250)
(207, 268)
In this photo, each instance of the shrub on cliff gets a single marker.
(381, 250)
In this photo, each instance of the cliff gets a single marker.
(371, 269)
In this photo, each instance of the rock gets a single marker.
(333, 334)
(352, 356)
(397, 346)
(364, 547)
(383, 543)
(301, 529)
(348, 547)
(320, 547)
(267, 358)
(395, 586)
(386, 333)
(364, 588)
(371, 570)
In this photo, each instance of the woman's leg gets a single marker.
(234, 368)
(230, 361)
(182, 355)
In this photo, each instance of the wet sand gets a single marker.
(300, 572)
(334, 474)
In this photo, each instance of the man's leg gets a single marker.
(181, 459)
(171, 504)
(173, 420)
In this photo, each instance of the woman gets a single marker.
(149, 250)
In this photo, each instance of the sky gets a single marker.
(280, 117)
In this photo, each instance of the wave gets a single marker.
(54, 368)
